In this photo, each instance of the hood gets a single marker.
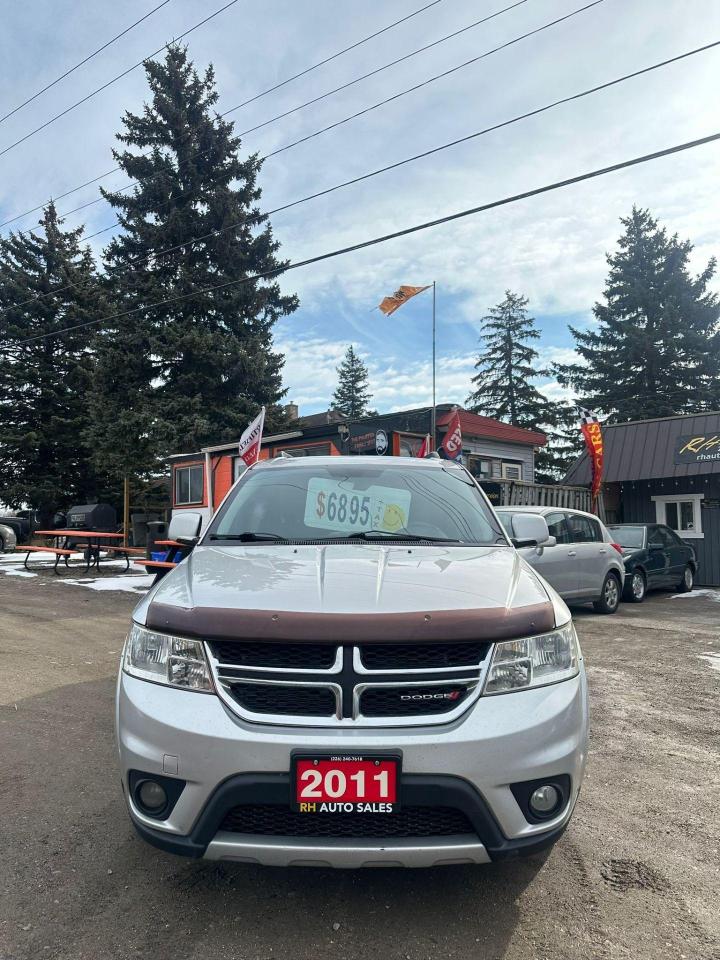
(355, 591)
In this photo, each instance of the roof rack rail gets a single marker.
(433, 455)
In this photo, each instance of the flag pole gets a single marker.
(433, 418)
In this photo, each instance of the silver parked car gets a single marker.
(579, 560)
(8, 539)
(353, 667)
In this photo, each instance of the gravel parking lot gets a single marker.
(637, 875)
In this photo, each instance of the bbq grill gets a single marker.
(99, 517)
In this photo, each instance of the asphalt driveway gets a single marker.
(637, 875)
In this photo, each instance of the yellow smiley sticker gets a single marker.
(393, 518)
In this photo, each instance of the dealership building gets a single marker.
(665, 471)
(492, 450)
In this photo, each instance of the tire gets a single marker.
(2, 545)
(635, 587)
(610, 596)
(688, 580)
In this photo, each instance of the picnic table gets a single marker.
(94, 539)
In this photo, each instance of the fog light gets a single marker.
(544, 800)
(152, 795)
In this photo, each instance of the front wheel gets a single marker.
(610, 597)
(635, 587)
(688, 580)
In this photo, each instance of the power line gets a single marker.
(102, 176)
(386, 66)
(109, 83)
(393, 166)
(83, 62)
(407, 231)
(334, 56)
(359, 113)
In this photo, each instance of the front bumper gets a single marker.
(468, 764)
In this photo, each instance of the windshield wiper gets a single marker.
(249, 537)
(389, 535)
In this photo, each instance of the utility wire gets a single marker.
(407, 231)
(83, 62)
(353, 116)
(334, 56)
(109, 83)
(257, 96)
(392, 166)
(386, 66)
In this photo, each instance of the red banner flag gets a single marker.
(590, 427)
(424, 448)
(452, 441)
(250, 441)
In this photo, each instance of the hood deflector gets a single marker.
(223, 623)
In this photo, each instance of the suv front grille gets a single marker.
(422, 656)
(314, 684)
(276, 698)
(273, 820)
(390, 701)
(294, 656)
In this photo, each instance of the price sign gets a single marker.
(334, 505)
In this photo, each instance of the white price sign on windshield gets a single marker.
(331, 505)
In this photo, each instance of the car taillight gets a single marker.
(617, 547)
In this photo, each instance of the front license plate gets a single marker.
(346, 784)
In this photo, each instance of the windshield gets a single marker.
(628, 536)
(347, 501)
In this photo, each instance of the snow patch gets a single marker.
(132, 583)
(713, 659)
(11, 572)
(710, 594)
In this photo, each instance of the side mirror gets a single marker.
(550, 542)
(185, 527)
(530, 530)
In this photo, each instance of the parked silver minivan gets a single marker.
(579, 558)
(353, 667)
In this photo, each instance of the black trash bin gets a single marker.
(156, 530)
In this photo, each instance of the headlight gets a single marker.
(164, 659)
(534, 661)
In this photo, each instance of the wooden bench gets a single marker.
(161, 564)
(59, 552)
(169, 543)
(127, 552)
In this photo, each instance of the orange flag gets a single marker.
(402, 295)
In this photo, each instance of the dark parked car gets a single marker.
(655, 558)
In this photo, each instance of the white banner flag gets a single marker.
(250, 441)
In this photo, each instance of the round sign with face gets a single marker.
(381, 442)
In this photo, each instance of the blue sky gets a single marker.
(550, 248)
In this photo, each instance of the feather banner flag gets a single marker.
(590, 428)
(404, 293)
(249, 446)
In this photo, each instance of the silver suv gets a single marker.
(353, 667)
(579, 558)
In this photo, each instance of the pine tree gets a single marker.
(506, 367)
(194, 371)
(656, 349)
(565, 442)
(352, 394)
(47, 281)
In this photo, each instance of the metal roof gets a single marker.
(473, 425)
(645, 449)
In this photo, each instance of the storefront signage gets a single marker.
(363, 442)
(698, 448)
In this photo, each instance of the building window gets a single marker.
(189, 485)
(512, 471)
(682, 513)
(239, 468)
